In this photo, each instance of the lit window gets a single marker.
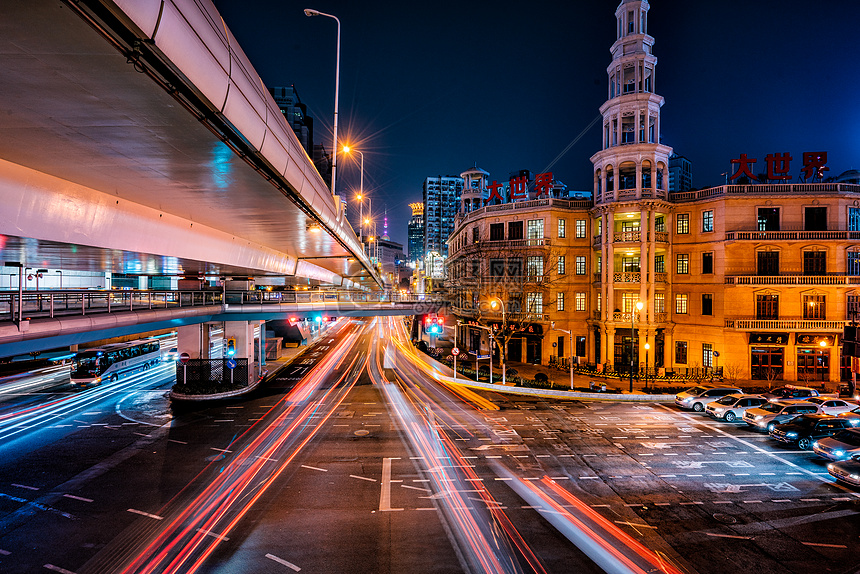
(682, 263)
(559, 301)
(581, 228)
(708, 220)
(535, 229)
(683, 223)
(580, 265)
(580, 302)
(681, 304)
(561, 228)
(534, 302)
(561, 270)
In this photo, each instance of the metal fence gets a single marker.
(212, 372)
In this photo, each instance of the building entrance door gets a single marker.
(766, 363)
(515, 350)
(813, 365)
(533, 350)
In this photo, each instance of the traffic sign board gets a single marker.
(455, 351)
(231, 363)
(482, 357)
(184, 357)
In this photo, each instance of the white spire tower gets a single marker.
(631, 206)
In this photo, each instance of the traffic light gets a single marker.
(435, 325)
(231, 347)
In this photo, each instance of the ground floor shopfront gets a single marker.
(812, 358)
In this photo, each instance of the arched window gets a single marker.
(646, 174)
(610, 179)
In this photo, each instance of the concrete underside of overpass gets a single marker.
(45, 334)
(113, 158)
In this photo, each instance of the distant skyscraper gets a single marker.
(296, 114)
(416, 232)
(441, 203)
(680, 174)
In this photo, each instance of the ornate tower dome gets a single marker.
(632, 164)
(475, 191)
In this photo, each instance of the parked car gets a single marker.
(842, 445)
(769, 415)
(853, 416)
(831, 406)
(846, 470)
(730, 407)
(790, 392)
(697, 397)
(803, 430)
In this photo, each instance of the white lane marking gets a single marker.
(148, 515)
(728, 536)
(5, 553)
(283, 562)
(223, 421)
(25, 486)
(219, 449)
(58, 569)
(363, 478)
(589, 477)
(213, 534)
(81, 498)
(810, 500)
(722, 502)
(415, 488)
(751, 501)
(315, 468)
(385, 493)
(176, 441)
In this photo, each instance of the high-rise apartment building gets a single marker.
(416, 232)
(296, 114)
(441, 203)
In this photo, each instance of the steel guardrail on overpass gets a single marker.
(79, 302)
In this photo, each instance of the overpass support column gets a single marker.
(194, 340)
(243, 332)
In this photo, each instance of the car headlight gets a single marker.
(839, 453)
(830, 466)
(854, 422)
(791, 434)
(759, 417)
(855, 477)
(815, 444)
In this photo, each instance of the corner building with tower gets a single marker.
(756, 280)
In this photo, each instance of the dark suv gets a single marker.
(790, 393)
(803, 430)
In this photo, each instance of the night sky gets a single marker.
(433, 88)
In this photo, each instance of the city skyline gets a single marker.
(507, 90)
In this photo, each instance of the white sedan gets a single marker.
(831, 406)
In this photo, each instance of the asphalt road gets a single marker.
(352, 460)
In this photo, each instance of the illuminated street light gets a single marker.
(504, 325)
(309, 12)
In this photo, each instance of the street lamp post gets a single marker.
(647, 347)
(310, 12)
(637, 307)
(504, 325)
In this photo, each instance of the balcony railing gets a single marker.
(624, 236)
(792, 280)
(748, 324)
(767, 189)
(517, 205)
(789, 235)
(627, 277)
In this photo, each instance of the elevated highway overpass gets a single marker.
(136, 138)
